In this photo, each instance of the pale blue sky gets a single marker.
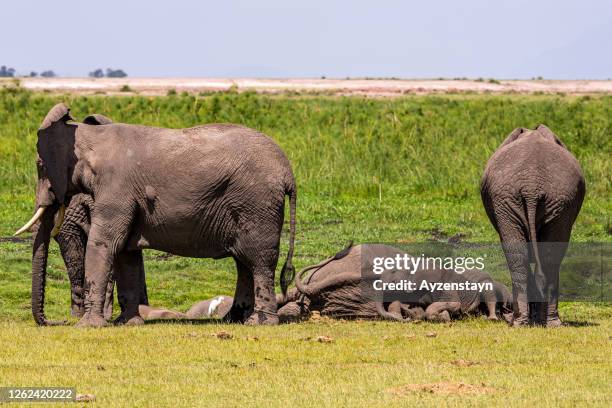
(274, 38)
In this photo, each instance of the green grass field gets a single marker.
(369, 170)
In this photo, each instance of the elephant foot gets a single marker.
(92, 321)
(135, 320)
(520, 322)
(555, 322)
(507, 317)
(262, 318)
(492, 318)
(444, 316)
(237, 314)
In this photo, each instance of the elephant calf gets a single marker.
(338, 287)
(217, 307)
(532, 191)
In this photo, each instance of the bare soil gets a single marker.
(459, 388)
(365, 87)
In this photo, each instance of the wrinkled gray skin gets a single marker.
(210, 191)
(335, 287)
(532, 191)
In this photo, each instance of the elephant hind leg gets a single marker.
(255, 297)
(554, 242)
(516, 250)
(242, 307)
(264, 308)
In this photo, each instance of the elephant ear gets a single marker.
(97, 119)
(516, 133)
(56, 148)
(549, 135)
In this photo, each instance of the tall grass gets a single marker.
(383, 151)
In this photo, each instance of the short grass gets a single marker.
(369, 170)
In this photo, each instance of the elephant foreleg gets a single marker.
(127, 273)
(107, 237)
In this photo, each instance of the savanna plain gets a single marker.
(395, 170)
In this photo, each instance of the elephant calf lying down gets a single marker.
(217, 307)
(337, 288)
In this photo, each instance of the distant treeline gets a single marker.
(110, 73)
(98, 73)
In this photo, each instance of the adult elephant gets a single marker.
(210, 191)
(532, 190)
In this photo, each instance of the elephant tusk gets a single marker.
(29, 224)
(59, 220)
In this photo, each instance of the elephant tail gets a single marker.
(288, 271)
(533, 239)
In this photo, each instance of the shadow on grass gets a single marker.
(16, 240)
(579, 323)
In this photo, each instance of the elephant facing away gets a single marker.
(338, 287)
(210, 191)
(532, 190)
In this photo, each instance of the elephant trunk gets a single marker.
(40, 253)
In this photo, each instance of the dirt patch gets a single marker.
(448, 388)
(223, 335)
(463, 363)
(438, 235)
